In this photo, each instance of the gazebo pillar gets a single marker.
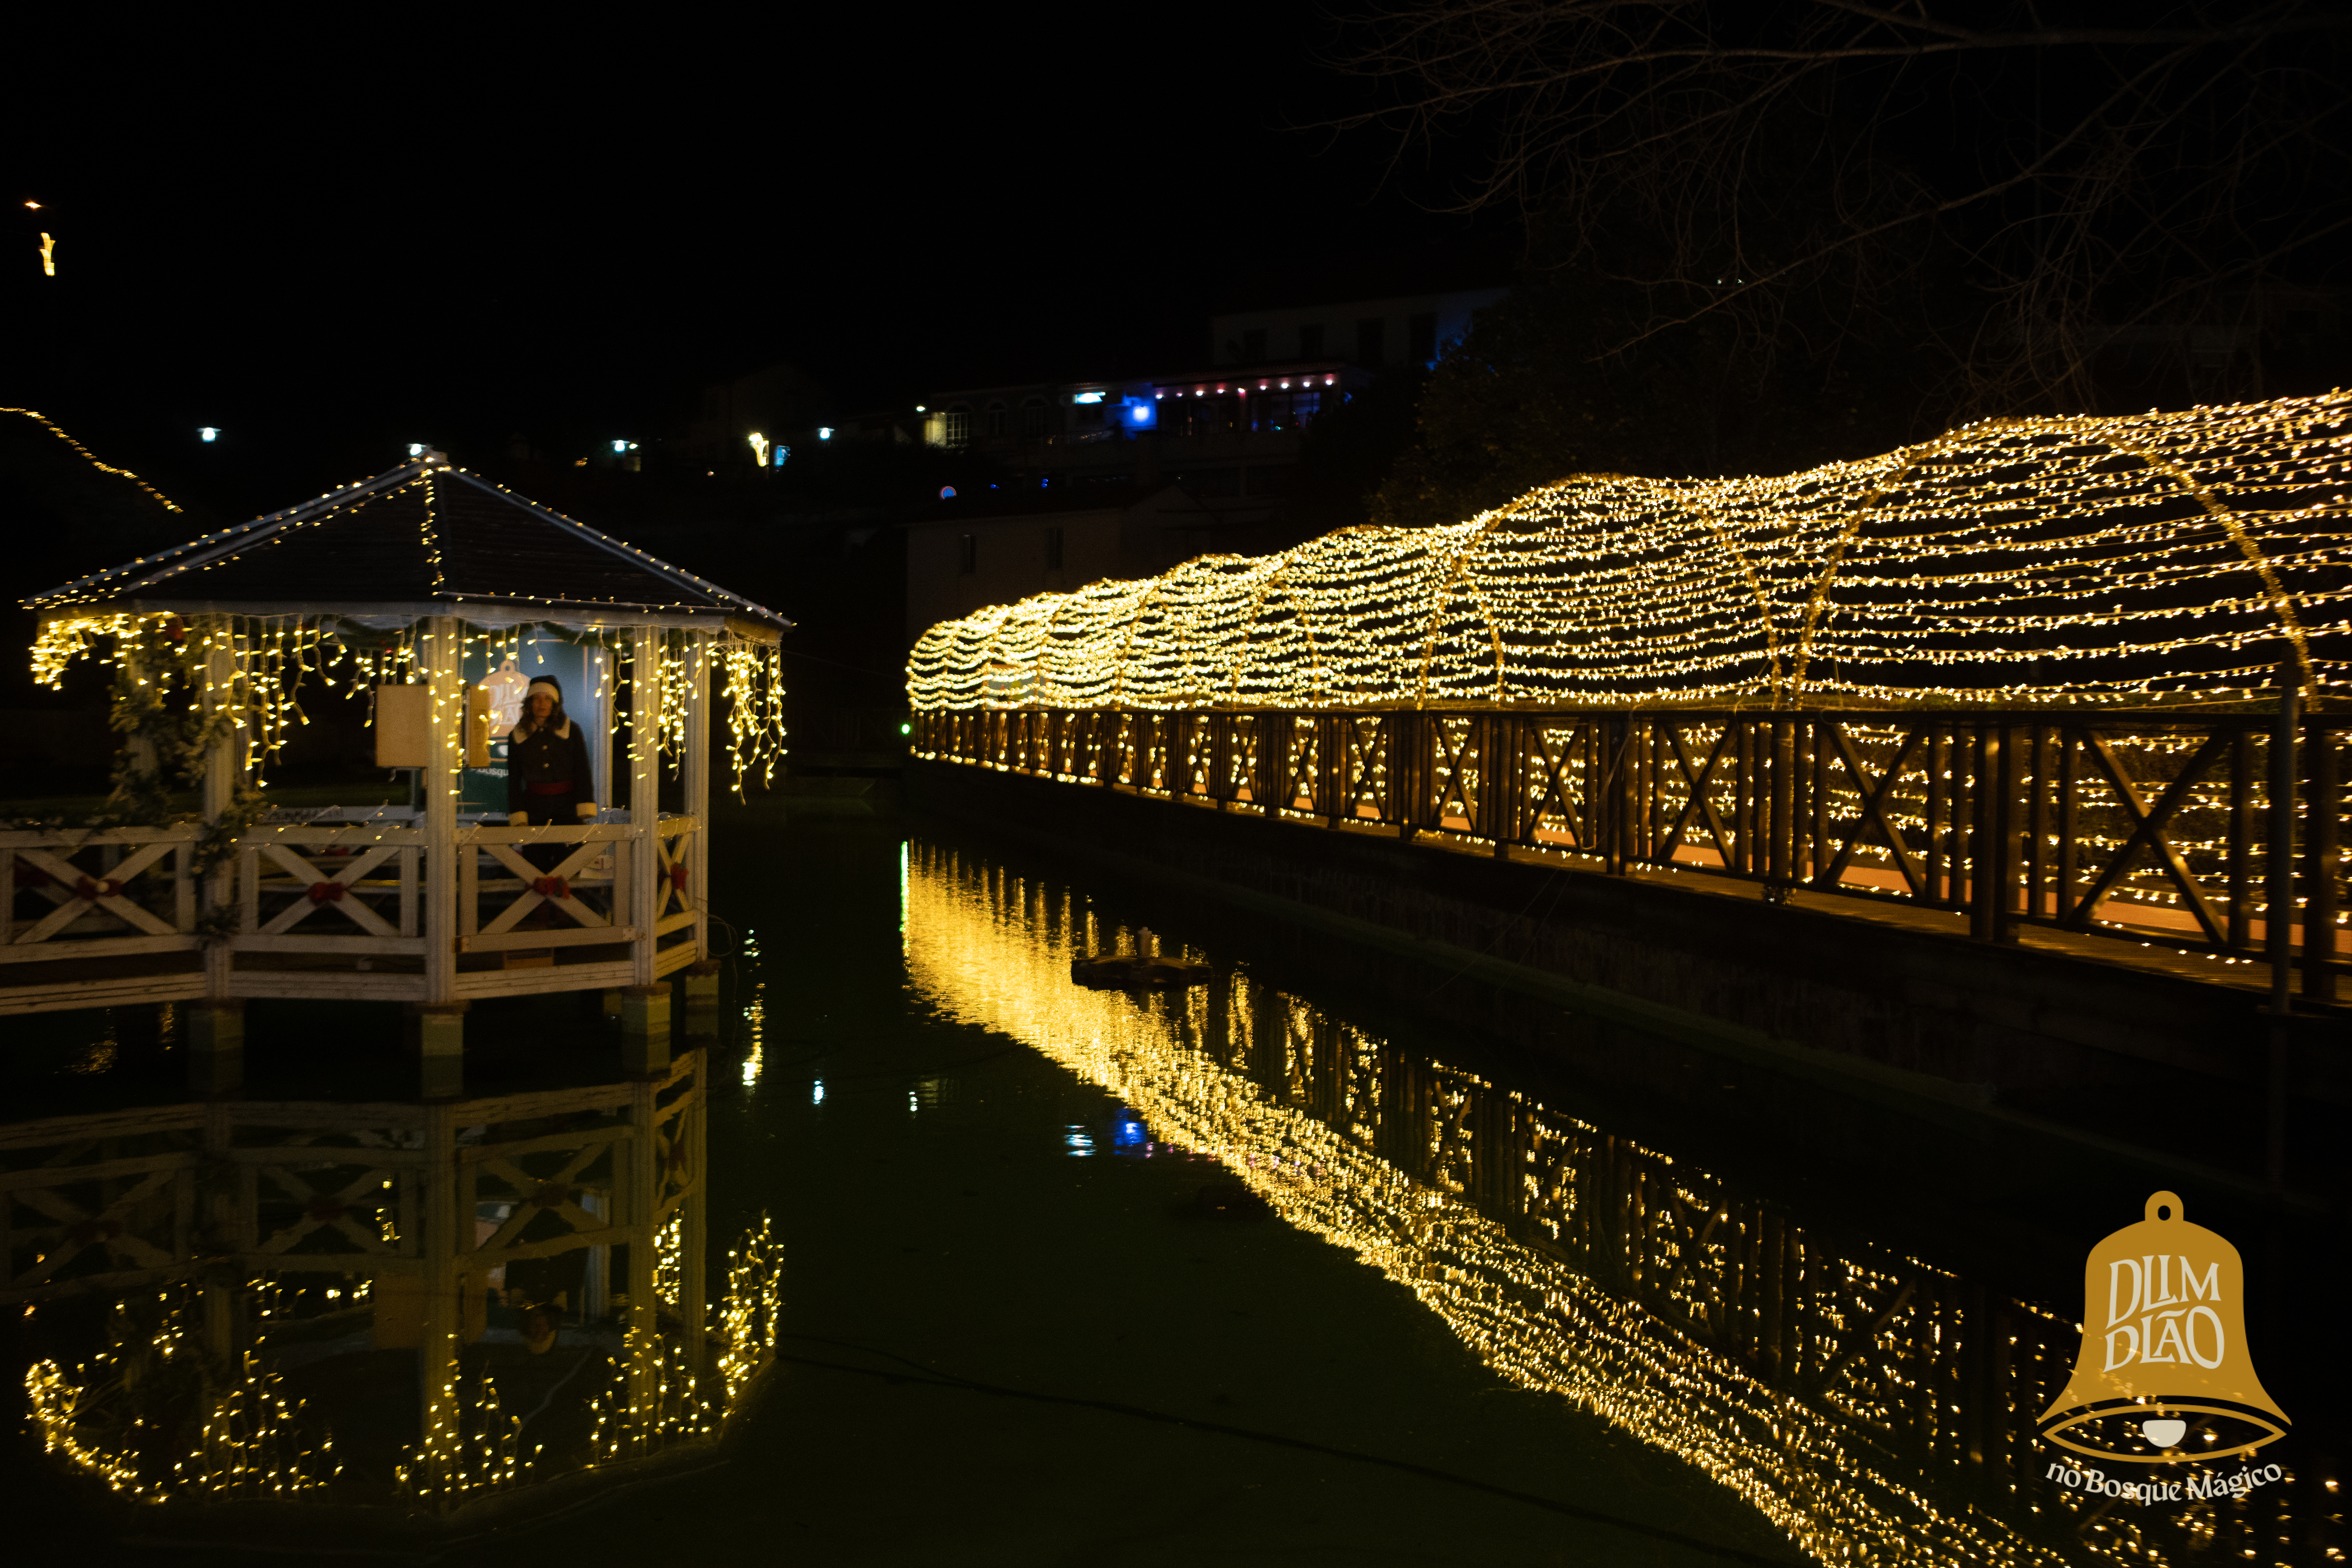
(702, 977)
(441, 1017)
(644, 1005)
(216, 1022)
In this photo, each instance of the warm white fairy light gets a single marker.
(248, 1445)
(252, 1442)
(2163, 557)
(471, 1448)
(276, 657)
(750, 1314)
(275, 653)
(89, 457)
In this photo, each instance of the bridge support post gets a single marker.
(215, 1047)
(645, 1030)
(703, 1000)
(2002, 859)
(437, 1034)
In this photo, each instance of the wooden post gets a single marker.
(1983, 857)
(2278, 891)
(645, 792)
(1779, 867)
(696, 775)
(2001, 867)
(217, 1024)
(2279, 915)
(1330, 782)
(2323, 803)
(441, 1022)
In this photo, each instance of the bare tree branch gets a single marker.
(1716, 157)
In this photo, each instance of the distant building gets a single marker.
(1406, 328)
(1128, 476)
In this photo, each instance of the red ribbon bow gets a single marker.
(552, 887)
(678, 876)
(104, 887)
(327, 892)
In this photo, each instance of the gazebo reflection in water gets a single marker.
(250, 1246)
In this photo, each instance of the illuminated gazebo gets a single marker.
(435, 593)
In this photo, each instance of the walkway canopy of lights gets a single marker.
(2173, 558)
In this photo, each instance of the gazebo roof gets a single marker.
(423, 539)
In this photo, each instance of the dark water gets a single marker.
(1262, 1270)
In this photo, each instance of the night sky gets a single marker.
(331, 238)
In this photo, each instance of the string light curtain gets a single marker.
(2159, 558)
(424, 533)
(277, 659)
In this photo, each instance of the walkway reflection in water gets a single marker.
(1874, 1406)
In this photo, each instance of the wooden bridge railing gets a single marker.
(2155, 826)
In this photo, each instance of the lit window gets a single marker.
(958, 426)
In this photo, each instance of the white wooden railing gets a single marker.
(357, 892)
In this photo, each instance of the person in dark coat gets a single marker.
(548, 783)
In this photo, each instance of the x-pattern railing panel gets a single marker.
(1558, 780)
(318, 888)
(335, 1210)
(74, 891)
(554, 1191)
(64, 1227)
(557, 882)
(1454, 774)
(674, 895)
(2150, 826)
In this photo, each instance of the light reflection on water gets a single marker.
(1875, 1407)
(254, 1257)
